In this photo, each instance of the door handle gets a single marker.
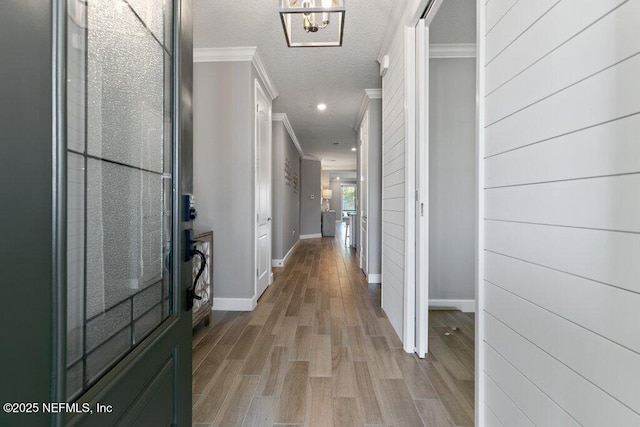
(269, 219)
(189, 252)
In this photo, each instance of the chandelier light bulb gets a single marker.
(325, 16)
(309, 19)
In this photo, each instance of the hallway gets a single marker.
(319, 351)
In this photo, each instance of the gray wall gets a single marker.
(374, 215)
(286, 201)
(335, 204)
(451, 178)
(455, 22)
(325, 177)
(310, 171)
(224, 172)
(336, 196)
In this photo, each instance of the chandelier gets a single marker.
(312, 23)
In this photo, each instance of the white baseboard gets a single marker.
(286, 257)
(234, 304)
(464, 305)
(282, 262)
(374, 278)
(311, 236)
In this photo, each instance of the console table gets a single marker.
(329, 223)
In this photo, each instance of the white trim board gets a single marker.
(368, 95)
(406, 13)
(234, 304)
(311, 236)
(464, 305)
(282, 117)
(237, 54)
(283, 261)
(409, 297)
(384, 65)
(421, 222)
(481, 30)
(374, 93)
(224, 54)
(452, 50)
(374, 278)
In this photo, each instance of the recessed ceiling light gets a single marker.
(338, 178)
(322, 107)
(354, 149)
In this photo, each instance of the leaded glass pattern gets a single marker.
(119, 56)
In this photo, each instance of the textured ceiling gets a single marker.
(305, 77)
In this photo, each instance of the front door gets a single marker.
(128, 165)
(263, 189)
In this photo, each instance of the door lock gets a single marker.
(189, 207)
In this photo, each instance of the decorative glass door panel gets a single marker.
(119, 182)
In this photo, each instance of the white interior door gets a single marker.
(263, 190)
(364, 186)
(422, 189)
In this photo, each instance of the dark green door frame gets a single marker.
(26, 196)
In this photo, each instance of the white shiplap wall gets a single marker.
(562, 213)
(393, 184)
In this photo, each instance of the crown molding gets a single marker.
(452, 50)
(374, 93)
(327, 168)
(262, 72)
(224, 54)
(282, 117)
(364, 103)
(237, 54)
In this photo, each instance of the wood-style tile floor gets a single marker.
(319, 351)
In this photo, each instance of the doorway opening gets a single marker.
(445, 171)
(348, 200)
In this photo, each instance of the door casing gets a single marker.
(422, 189)
(364, 193)
(263, 219)
(416, 287)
